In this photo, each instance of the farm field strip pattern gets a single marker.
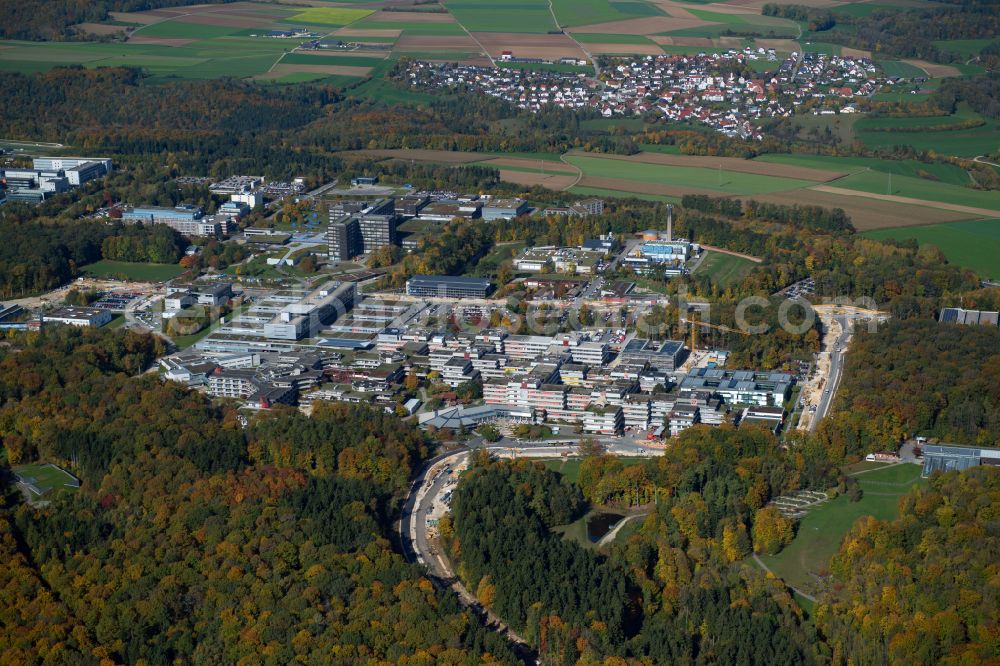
(971, 210)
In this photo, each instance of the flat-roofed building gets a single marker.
(444, 286)
(504, 209)
(739, 387)
(305, 317)
(665, 356)
(607, 420)
(79, 316)
(591, 353)
(955, 457)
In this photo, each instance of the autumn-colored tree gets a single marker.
(771, 531)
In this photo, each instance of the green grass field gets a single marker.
(343, 60)
(696, 177)
(974, 244)
(966, 48)
(182, 30)
(604, 38)
(568, 467)
(938, 172)
(821, 531)
(46, 478)
(920, 188)
(724, 269)
(601, 192)
(900, 68)
(587, 12)
(920, 133)
(546, 67)
(137, 272)
(526, 16)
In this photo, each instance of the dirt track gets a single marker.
(985, 212)
(729, 164)
(866, 214)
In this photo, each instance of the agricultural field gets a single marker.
(821, 531)
(724, 269)
(134, 271)
(879, 183)
(336, 16)
(527, 16)
(585, 191)
(201, 42)
(681, 179)
(973, 244)
(926, 133)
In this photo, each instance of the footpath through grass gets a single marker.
(822, 530)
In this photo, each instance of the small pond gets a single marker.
(600, 524)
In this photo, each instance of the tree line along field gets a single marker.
(974, 244)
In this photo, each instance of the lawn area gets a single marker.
(577, 530)
(526, 16)
(568, 467)
(133, 271)
(488, 265)
(724, 269)
(44, 478)
(605, 124)
(973, 244)
(821, 531)
(696, 177)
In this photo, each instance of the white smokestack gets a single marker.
(670, 222)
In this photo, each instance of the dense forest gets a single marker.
(917, 377)
(905, 33)
(678, 590)
(194, 540)
(921, 589)
(39, 255)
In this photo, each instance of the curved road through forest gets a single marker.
(417, 548)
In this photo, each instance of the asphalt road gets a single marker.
(836, 368)
(426, 490)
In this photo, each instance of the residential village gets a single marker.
(723, 90)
